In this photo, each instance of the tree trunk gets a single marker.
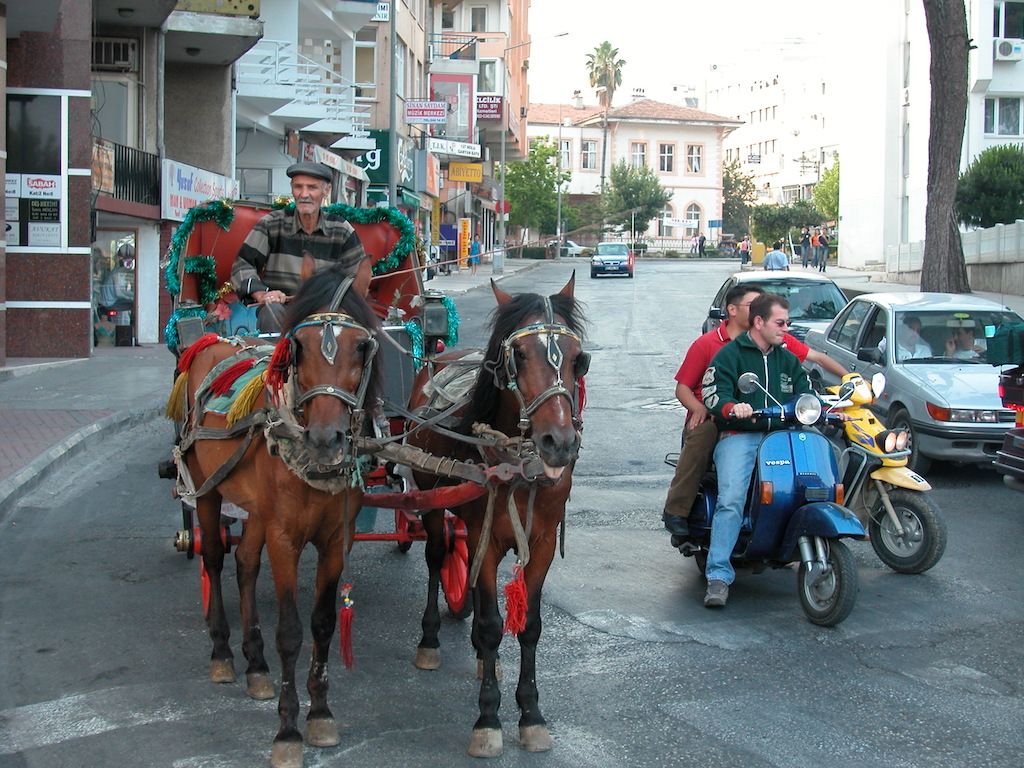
(943, 268)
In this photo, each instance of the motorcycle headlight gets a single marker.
(889, 444)
(902, 440)
(808, 409)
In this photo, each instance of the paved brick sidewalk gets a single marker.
(27, 434)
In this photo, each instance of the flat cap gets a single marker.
(316, 170)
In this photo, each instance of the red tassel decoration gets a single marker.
(189, 355)
(277, 368)
(346, 613)
(581, 384)
(515, 602)
(222, 384)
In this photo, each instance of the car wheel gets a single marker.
(900, 419)
(630, 274)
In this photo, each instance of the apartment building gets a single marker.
(682, 145)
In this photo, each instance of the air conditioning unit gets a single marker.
(115, 54)
(1008, 49)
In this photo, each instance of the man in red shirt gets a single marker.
(701, 434)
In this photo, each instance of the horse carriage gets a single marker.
(295, 436)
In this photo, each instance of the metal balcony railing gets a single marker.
(278, 64)
(136, 175)
(451, 45)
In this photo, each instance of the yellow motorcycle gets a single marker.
(892, 501)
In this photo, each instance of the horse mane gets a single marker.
(315, 294)
(505, 319)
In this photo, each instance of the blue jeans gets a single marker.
(734, 460)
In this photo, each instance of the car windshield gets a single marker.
(949, 336)
(807, 300)
(612, 249)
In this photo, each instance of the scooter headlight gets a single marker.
(808, 409)
(902, 440)
(891, 441)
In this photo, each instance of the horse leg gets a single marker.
(284, 562)
(428, 654)
(247, 560)
(222, 668)
(486, 739)
(321, 729)
(533, 730)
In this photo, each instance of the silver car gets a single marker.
(813, 299)
(931, 348)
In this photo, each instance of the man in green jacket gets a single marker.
(760, 351)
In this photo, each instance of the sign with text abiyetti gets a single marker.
(426, 112)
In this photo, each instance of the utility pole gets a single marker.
(392, 111)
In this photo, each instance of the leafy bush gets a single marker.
(533, 252)
(991, 190)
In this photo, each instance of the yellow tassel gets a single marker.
(246, 399)
(176, 402)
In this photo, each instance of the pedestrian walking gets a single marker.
(805, 247)
(693, 244)
(822, 251)
(745, 249)
(814, 248)
(474, 254)
(700, 244)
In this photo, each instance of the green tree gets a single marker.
(634, 197)
(531, 187)
(826, 193)
(991, 190)
(778, 222)
(738, 196)
(605, 69)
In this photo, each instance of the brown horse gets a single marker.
(527, 389)
(304, 489)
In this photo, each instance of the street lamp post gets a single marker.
(558, 181)
(498, 259)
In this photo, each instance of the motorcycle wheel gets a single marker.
(828, 603)
(924, 541)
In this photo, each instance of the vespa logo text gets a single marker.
(777, 462)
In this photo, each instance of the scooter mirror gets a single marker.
(878, 384)
(748, 383)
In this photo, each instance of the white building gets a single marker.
(682, 145)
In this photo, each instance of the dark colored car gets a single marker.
(612, 259)
(1010, 458)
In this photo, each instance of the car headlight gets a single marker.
(962, 415)
(807, 409)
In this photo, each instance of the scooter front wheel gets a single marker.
(924, 532)
(828, 598)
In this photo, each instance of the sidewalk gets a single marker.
(51, 410)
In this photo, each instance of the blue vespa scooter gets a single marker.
(794, 510)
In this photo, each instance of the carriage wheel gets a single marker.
(455, 569)
(187, 524)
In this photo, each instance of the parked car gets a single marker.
(813, 299)
(612, 259)
(569, 248)
(1010, 457)
(932, 349)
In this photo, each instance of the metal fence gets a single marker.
(136, 175)
(1001, 244)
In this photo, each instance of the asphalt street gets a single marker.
(104, 654)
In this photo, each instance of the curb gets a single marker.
(13, 372)
(26, 480)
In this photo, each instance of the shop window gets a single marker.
(113, 288)
(255, 184)
(115, 109)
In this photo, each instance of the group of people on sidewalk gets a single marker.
(753, 338)
(814, 248)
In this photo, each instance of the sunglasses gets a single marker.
(781, 323)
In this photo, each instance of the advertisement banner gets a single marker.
(44, 234)
(465, 236)
(488, 107)
(457, 148)
(377, 161)
(185, 186)
(456, 91)
(426, 112)
(472, 173)
(40, 186)
(103, 166)
(435, 223)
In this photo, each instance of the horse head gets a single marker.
(537, 355)
(322, 371)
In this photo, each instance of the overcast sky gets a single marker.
(664, 42)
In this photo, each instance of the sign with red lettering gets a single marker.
(35, 185)
(488, 107)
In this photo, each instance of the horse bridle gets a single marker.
(554, 356)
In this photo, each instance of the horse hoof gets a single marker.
(428, 658)
(486, 742)
(498, 674)
(259, 687)
(222, 671)
(286, 754)
(322, 732)
(534, 738)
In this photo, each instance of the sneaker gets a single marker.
(717, 594)
(675, 524)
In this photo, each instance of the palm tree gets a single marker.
(605, 70)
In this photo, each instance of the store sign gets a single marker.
(313, 153)
(103, 166)
(13, 185)
(383, 12)
(44, 234)
(472, 173)
(377, 161)
(35, 185)
(457, 148)
(488, 107)
(184, 186)
(465, 226)
(426, 112)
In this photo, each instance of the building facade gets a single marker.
(682, 145)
